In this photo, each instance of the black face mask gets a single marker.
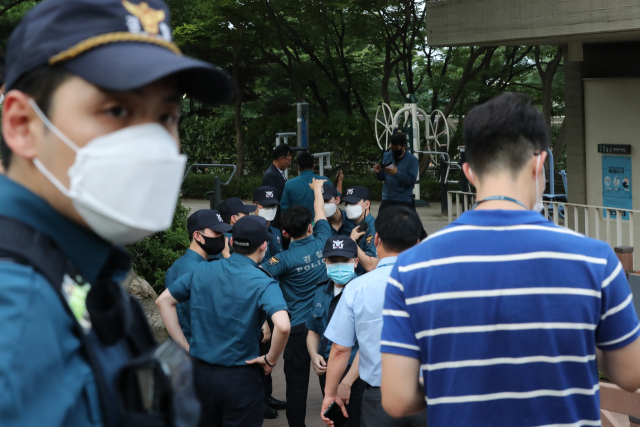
(212, 245)
(397, 153)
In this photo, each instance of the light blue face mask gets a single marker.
(341, 272)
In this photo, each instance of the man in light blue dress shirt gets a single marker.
(358, 317)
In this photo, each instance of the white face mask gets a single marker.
(539, 206)
(330, 209)
(268, 213)
(123, 184)
(353, 211)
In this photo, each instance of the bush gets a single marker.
(153, 256)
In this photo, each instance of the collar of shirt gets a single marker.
(301, 242)
(194, 255)
(242, 259)
(499, 217)
(307, 172)
(332, 284)
(84, 248)
(387, 261)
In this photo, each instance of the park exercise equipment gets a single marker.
(215, 196)
(302, 136)
(552, 196)
(436, 134)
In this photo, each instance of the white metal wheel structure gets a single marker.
(384, 125)
(438, 134)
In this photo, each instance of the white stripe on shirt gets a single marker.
(503, 292)
(398, 344)
(612, 276)
(506, 228)
(508, 361)
(395, 283)
(617, 308)
(576, 424)
(513, 395)
(622, 338)
(502, 258)
(395, 313)
(503, 327)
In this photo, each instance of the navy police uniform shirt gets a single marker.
(227, 300)
(298, 192)
(324, 305)
(183, 265)
(274, 245)
(46, 380)
(366, 242)
(299, 269)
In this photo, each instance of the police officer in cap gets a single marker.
(267, 204)
(361, 227)
(206, 233)
(233, 209)
(92, 157)
(226, 315)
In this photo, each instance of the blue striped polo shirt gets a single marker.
(504, 310)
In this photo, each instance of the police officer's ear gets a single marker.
(337, 200)
(310, 229)
(376, 240)
(263, 247)
(197, 236)
(355, 263)
(367, 204)
(20, 125)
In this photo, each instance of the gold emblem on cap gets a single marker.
(149, 18)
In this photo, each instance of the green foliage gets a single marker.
(153, 256)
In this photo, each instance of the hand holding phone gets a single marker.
(334, 413)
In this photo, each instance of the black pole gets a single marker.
(217, 191)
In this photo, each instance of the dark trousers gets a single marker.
(411, 205)
(297, 365)
(230, 396)
(373, 415)
(264, 349)
(354, 408)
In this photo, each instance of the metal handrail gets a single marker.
(212, 166)
(447, 161)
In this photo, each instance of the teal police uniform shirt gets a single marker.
(299, 269)
(228, 298)
(297, 191)
(274, 246)
(366, 243)
(324, 303)
(44, 376)
(183, 265)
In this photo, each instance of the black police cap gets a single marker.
(266, 196)
(329, 191)
(250, 231)
(355, 194)
(340, 246)
(207, 218)
(117, 45)
(234, 206)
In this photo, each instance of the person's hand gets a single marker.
(316, 183)
(391, 169)
(339, 175)
(377, 168)
(226, 252)
(344, 392)
(356, 233)
(266, 332)
(319, 364)
(260, 361)
(328, 400)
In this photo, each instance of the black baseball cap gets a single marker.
(329, 191)
(340, 246)
(207, 218)
(234, 206)
(250, 231)
(355, 194)
(117, 45)
(266, 196)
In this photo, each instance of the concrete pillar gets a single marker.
(625, 255)
(574, 115)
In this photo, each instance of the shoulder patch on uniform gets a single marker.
(264, 271)
(274, 260)
(369, 239)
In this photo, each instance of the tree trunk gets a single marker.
(237, 85)
(560, 142)
(547, 81)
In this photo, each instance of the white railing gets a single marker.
(585, 219)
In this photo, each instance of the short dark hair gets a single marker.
(504, 133)
(40, 84)
(296, 220)
(282, 150)
(245, 250)
(399, 139)
(398, 228)
(305, 160)
(333, 259)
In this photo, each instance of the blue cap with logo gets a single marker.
(117, 45)
(340, 246)
(356, 194)
(250, 231)
(329, 191)
(207, 218)
(266, 196)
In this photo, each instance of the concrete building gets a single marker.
(601, 40)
